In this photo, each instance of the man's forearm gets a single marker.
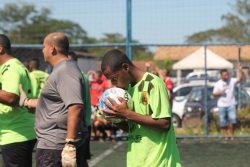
(217, 94)
(241, 75)
(8, 98)
(162, 124)
(73, 120)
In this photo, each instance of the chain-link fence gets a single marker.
(194, 71)
(194, 40)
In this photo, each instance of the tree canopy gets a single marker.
(236, 27)
(139, 53)
(25, 24)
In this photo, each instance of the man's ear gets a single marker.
(1, 50)
(125, 66)
(53, 50)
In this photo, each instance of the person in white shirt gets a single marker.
(224, 89)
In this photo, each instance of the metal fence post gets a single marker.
(237, 75)
(205, 99)
(129, 29)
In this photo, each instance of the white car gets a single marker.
(200, 75)
(246, 86)
(181, 93)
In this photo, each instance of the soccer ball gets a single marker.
(114, 93)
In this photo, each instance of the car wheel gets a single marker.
(176, 121)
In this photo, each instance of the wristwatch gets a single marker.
(70, 141)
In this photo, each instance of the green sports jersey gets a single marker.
(87, 103)
(149, 147)
(16, 123)
(34, 84)
(40, 79)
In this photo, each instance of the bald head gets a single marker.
(59, 40)
(5, 43)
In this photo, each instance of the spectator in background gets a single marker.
(26, 64)
(17, 136)
(165, 76)
(39, 76)
(91, 74)
(224, 89)
(98, 85)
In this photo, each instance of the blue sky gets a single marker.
(154, 21)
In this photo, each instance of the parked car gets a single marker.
(212, 76)
(201, 74)
(246, 86)
(195, 106)
(181, 93)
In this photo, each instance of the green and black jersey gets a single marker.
(149, 146)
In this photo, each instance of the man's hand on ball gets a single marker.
(120, 110)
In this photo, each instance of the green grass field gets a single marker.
(198, 153)
(194, 153)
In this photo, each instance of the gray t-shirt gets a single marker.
(64, 87)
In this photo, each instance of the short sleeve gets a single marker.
(10, 80)
(70, 88)
(159, 101)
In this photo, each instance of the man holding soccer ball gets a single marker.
(152, 141)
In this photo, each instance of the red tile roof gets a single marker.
(228, 52)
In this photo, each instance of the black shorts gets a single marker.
(52, 158)
(18, 154)
(48, 158)
(86, 144)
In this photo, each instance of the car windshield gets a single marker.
(183, 91)
(197, 94)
